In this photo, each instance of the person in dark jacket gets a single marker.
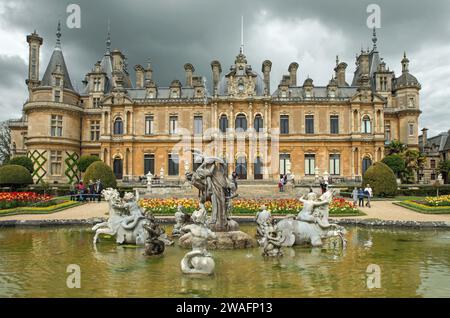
(99, 189)
(361, 197)
(91, 187)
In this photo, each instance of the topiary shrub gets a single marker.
(381, 179)
(85, 161)
(14, 176)
(23, 161)
(100, 170)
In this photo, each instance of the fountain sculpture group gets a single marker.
(130, 225)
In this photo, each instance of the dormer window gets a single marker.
(283, 94)
(57, 81)
(97, 82)
(174, 94)
(57, 96)
(411, 103)
(241, 87)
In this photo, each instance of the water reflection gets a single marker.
(33, 262)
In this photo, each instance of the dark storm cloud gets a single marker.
(172, 33)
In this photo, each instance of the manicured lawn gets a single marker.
(422, 208)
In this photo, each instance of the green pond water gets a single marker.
(33, 263)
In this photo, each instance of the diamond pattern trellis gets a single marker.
(39, 159)
(72, 167)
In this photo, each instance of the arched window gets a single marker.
(241, 122)
(223, 123)
(258, 124)
(118, 126)
(367, 162)
(366, 125)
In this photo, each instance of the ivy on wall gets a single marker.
(39, 159)
(72, 167)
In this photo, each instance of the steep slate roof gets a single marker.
(57, 58)
(163, 93)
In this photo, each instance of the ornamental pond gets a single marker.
(412, 263)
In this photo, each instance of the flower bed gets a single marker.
(339, 207)
(10, 200)
(438, 201)
(422, 207)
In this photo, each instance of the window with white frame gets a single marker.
(335, 164)
(366, 125)
(96, 102)
(173, 125)
(310, 164)
(97, 82)
(284, 124)
(56, 126)
(95, 130)
(149, 124)
(55, 162)
(198, 125)
(285, 163)
(174, 163)
(57, 96)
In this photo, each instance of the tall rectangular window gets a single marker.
(173, 125)
(149, 164)
(95, 130)
(148, 125)
(387, 132)
(309, 124)
(284, 124)
(310, 164)
(285, 163)
(55, 163)
(96, 102)
(56, 126)
(173, 164)
(198, 125)
(433, 164)
(57, 82)
(334, 124)
(57, 96)
(335, 164)
(97, 82)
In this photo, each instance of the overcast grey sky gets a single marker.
(174, 32)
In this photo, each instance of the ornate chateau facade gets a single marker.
(303, 129)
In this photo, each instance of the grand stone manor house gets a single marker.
(137, 126)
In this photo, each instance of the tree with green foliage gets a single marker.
(444, 169)
(414, 161)
(396, 147)
(396, 163)
(100, 170)
(15, 176)
(5, 142)
(381, 179)
(85, 161)
(23, 161)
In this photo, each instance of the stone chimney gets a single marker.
(340, 74)
(34, 49)
(424, 138)
(189, 69)
(293, 67)
(216, 70)
(117, 60)
(266, 69)
(139, 76)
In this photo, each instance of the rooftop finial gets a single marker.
(374, 39)
(108, 39)
(337, 60)
(242, 35)
(58, 35)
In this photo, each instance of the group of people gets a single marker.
(283, 181)
(359, 195)
(93, 191)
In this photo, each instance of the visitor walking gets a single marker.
(355, 196)
(281, 184)
(81, 189)
(361, 197)
(91, 187)
(369, 193)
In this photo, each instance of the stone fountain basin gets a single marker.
(225, 241)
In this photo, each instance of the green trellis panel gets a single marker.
(39, 159)
(72, 167)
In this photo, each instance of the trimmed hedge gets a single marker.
(15, 176)
(381, 179)
(100, 170)
(85, 161)
(23, 161)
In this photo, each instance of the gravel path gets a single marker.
(383, 210)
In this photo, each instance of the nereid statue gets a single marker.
(198, 261)
(181, 219)
(126, 220)
(311, 226)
